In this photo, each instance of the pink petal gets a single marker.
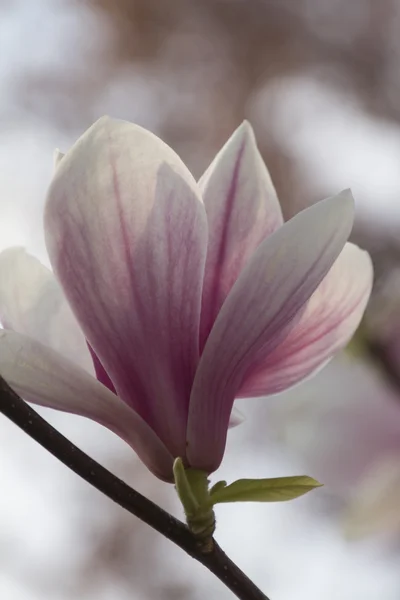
(242, 210)
(126, 233)
(269, 294)
(331, 317)
(100, 371)
(32, 303)
(42, 376)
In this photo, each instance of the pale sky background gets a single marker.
(288, 549)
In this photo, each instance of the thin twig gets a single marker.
(20, 413)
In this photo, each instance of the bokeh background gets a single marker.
(320, 82)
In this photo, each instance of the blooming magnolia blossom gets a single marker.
(178, 296)
(362, 472)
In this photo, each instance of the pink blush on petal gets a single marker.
(101, 373)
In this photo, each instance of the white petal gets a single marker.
(32, 303)
(44, 377)
(58, 156)
(236, 418)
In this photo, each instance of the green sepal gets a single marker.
(218, 486)
(277, 489)
(192, 488)
(184, 489)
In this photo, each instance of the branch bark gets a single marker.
(22, 415)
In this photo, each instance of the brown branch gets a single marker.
(20, 413)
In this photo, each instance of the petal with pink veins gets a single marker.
(329, 320)
(42, 376)
(242, 210)
(100, 371)
(126, 232)
(265, 301)
(32, 302)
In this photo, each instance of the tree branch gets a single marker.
(20, 413)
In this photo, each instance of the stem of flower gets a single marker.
(20, 413)
(192, 487)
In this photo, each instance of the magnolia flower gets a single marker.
(339, 424)
(179, 296)
(362, 472)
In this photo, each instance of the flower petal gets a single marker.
(331, 316)
(100, 371)
(236, 418)
(57, 157)
(32, 303)
(269, 294)
(42, 376)
(242, 210)
(126, 232)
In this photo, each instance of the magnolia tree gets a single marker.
(168, 299)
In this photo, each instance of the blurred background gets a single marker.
(320, 82)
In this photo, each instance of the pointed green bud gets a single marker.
(184, 489)
(192, 488)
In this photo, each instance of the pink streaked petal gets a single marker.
(331, 317)
(126, 232)
(32, 303)
(42, 376)
(101, 373)
(242, 210)
(264, 302)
